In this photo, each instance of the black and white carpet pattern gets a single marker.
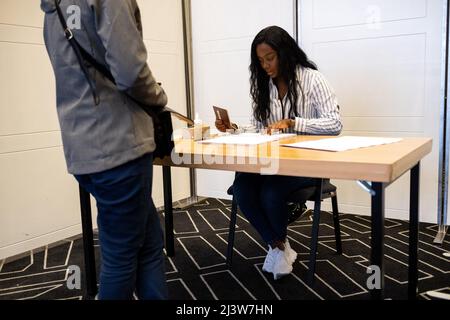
(198, 270)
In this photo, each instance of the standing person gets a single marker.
(288, 93)
(108, 143)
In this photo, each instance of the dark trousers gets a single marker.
(130, 234)
(263, 200)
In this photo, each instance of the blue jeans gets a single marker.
(263, 200)
(130, 234)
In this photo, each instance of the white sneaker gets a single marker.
(291, 254)
(281, 266)
(268, 262)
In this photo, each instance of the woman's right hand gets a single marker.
(220, 126)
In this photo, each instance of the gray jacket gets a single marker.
(98, 138)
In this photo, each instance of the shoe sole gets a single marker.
(266, 270)
(280, 275)
(293, 259)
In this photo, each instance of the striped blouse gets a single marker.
(320, 116)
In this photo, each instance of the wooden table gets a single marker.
(379, 165)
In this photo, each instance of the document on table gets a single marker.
(248, 138)
(342, 143)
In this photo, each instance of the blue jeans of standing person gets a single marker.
(263, 200)
(130, 234)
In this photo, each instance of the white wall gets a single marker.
(38, 199)
(222, 33)
(384, 60)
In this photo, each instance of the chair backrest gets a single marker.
(307, 193)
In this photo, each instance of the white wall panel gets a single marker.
(34, 111)
(37, 199)
(21, 13)
(332, 13)
(388, 73)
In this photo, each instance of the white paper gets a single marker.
(247, 138)
(343, 143)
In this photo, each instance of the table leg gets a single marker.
(88, 243)
(168, 211)
(413, 231)
(315, 232)
(231, 233)
(377, 241)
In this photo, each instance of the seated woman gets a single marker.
(289, 94)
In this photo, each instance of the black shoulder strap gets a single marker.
(83, 56)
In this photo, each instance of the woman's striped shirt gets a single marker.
(318, 115)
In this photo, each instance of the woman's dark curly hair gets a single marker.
(289, 57)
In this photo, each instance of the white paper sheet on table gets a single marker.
(247, 138)
(342, 143)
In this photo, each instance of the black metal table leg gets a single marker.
(413, 231)
(168, 211)
(337, 227)
(231, 233)
(377, 240)
(315, 232)
(88, 243)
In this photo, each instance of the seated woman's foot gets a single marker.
(268, 262)
(281, 266)
(290, 253)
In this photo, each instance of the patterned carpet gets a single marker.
(198, 269)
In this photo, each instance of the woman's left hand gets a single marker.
(283, 124)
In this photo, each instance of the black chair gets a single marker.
(323, 190)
